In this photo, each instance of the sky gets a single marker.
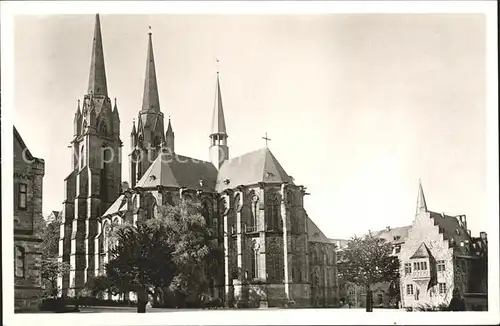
(358, 107)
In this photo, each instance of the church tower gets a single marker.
(149, 136)
(219, 151)
(94, 183)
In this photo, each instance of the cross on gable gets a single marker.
(266, 139)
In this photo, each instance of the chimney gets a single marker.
(463, 221)
(482, 235)
(387, 228)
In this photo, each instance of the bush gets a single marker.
(428, 307)
(56, 305)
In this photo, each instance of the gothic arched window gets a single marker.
(84, 126)
(254, 202)
(157, 141)
(82, 157)
(150, 206)
(254, 259)
(104, 184)
(106, 242)
(273, 213)
(103, 128)
(206, 211)
(167, 198)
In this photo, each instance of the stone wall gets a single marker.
(323, 274)
(28, 223)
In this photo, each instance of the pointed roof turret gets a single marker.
(97, 77)
(169, 128)
(421, 204)
(134, 131)
(218, 121)
(150, 99)
(115, 111)
(78, 110)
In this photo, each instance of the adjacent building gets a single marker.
(54, 216)
(437, 254)
(256, 210)
(28, 221)
(441, 255)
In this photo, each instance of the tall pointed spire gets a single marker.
(219, 151)
(97, 77)
(421, 204)
(218, 121)
(151, 99)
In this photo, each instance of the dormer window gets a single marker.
(457, 231)
(152, 177)
(269, 174)
(396, 237)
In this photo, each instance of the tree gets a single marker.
(196, 253)
(368, 261)
(51, 268)
(142, 259)
(172, 250)
(50, 237)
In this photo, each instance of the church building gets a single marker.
(253, 206)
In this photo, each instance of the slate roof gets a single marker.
(120, 205)
(179, 171)
(251, 168)
(449, 226)
(22, 144)
(422, 252)
(314, 233)
(395, 235)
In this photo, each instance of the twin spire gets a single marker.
(97, 77)
(151, 100)
(98, 85)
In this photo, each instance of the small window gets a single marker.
(442, 288)
(19, 255)
(398, 249)
(440, 266)
(23, 193)
(408, 268)
(409, 289)
(457, 231)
